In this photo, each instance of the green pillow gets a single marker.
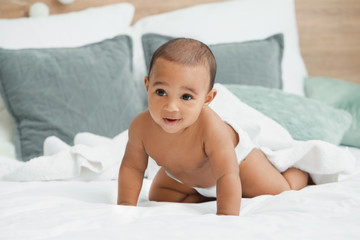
(251, 63)
(340, 94)
(305, 119)
(63, 91)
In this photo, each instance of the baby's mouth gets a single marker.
(171, 121)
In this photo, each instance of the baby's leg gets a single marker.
(258, 176)
(166, 189)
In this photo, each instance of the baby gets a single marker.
(202, 157)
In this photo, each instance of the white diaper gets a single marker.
(244, 147)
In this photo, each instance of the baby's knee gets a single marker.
(296, 178)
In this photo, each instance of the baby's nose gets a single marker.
(172, 106)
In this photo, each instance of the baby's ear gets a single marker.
(210, 96)
(146, 81)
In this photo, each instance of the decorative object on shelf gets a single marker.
(66, 1)
(39, 9)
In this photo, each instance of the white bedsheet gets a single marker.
(87, 210)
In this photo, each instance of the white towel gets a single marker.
(98, 158)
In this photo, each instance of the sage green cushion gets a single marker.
(63, 91)
(251, 63)
(305, 119)
(339, 94)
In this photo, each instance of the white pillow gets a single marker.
(232, 21)
(63, 30)
(66, 30)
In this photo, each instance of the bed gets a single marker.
(72, 82)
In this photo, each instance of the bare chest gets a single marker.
(178, 153)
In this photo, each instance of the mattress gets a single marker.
(88, 210)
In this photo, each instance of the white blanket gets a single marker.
(322, 160)
(92, 157)
(98, 158)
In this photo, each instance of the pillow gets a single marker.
(305, 119)
(228, 22)
(251, 63)
(63, 91)
(66, 30)
(340, 94)
(62, 30)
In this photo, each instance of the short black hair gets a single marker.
(189, 52)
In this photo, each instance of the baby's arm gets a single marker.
(220, 150)
(132, 168)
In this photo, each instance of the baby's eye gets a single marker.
(160, 92)
(186, 97)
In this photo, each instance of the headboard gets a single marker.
(328, 29)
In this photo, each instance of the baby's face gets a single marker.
(176, 94)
